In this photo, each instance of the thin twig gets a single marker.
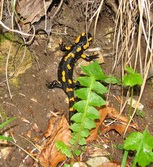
(16, 31)
(6, 72)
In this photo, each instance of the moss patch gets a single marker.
(19, 60)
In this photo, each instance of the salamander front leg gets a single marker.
(64, 47)
(54, 84)
(89, 58)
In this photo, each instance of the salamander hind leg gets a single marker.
(54, 84)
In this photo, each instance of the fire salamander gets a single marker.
(66, 65)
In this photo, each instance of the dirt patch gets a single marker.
(33, 102)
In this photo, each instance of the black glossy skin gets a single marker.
(66, 65)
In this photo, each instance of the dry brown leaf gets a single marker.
(32, 10)
(110, 164)
(116, 115)
(113, 114)
(94, 132)
(50, 156)
(120, 128)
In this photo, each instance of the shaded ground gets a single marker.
(33, 102)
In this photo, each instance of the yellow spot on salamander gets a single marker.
(83, 56)
(71, 109)
(69, 55)
(71, 99)
(69, 90)
(78, 39)
(90, 39)
(83, 34)
(86, 46)
(78, 49)
(69, 67)
(68, 47)
(63, 76)
(69, 81)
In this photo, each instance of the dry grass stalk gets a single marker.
(134, 31)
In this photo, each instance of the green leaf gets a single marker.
(63, 148)
(73, 139)
(99, 88)
(80, 105)
(77, 117)
(96, 100)
(140, 113)
(93, 98)
(120, 146)
(112, 80)
(132, 78)
(89, 124)
(67, 165)
(86, 81)
(77, 152)
(75, 127)
(82, 141)
(7, 122)
(95, 85)
(94, 70)
(142, 143)
(82, 93)
(85, 133)
(92, 113)
(5, 138)
(133, 141)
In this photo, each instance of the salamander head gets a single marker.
(84, 40)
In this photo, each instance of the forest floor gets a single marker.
(32, 102)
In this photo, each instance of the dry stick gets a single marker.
(121, 110)
(8, 7)
(16, 31)
(119, 18)
(97, 16)
(7, 103)
(149, 34)
(32, 36)
(138, 52)
(35, 146)
(45, 12)
(61, 2)
(86, 17)
(6, 72)
(25, 151)
(2, 5)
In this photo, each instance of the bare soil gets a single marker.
(33, 102)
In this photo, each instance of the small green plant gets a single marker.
(91, 95)
(142, 143)
(2, 125)
(131, 79)
(140, 113)
(63, 148)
